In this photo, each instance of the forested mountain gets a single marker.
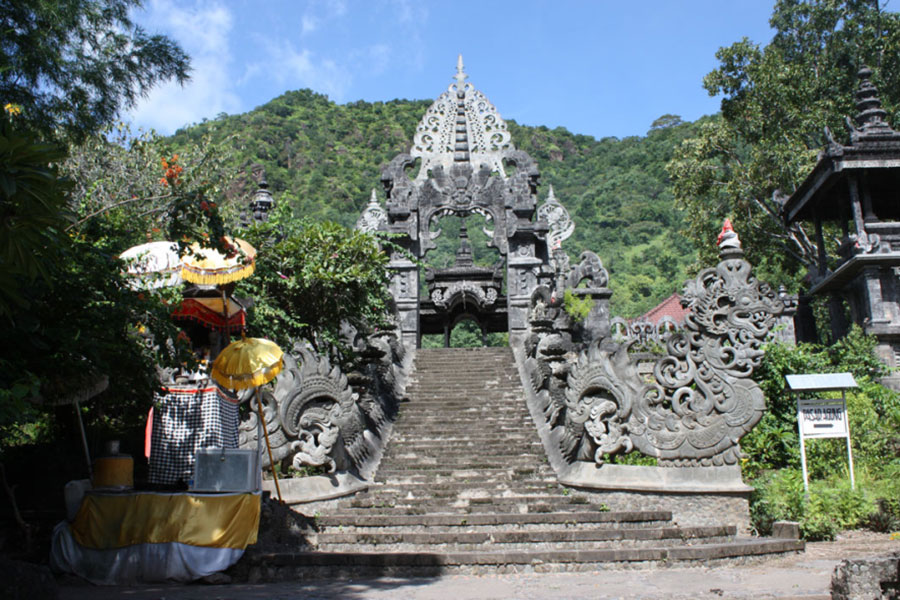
(324, 159)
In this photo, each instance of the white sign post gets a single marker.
(820, 417)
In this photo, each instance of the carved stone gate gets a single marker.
(462, 162)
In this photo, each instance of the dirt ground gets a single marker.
(805, 575)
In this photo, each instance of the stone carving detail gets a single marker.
(557, 217)
(698, 400)
(590, 269)
(461, 125)
(373, 218)
(484, 296)
(315, 416)
(643, 335)
(488, 136)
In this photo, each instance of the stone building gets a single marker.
(855, 186)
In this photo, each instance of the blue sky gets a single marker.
(600, 68)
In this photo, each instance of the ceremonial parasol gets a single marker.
(208, 266)
(153, 265)
(210, 313)
(247, 363)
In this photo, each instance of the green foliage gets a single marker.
(777, 102)
(773, 446)
(73, 65)
(310, 277)
(831, 506)
(575, 307)
(32, 209)
(79, 322)
(135, 187)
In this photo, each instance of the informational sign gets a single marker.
(822, 417)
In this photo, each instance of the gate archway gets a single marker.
(467, 164)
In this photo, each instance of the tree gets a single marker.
(73, 65)
(32, 208)
(777, 102)
(137, 185)
(79, 320)
(311, 278)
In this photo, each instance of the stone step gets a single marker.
(359, 520)
(476, 478)
(474, 482)
(438, 451)
(462, 434)
(457, 441)
(487, 423)
(460, 452)
(295, 565)
(533, 445)
(465, 508)
(555, 539)
(366, 500)
(465, 486)
(443, 391)
(403, 462)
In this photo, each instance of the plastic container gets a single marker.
(225, 470)
(114, 470)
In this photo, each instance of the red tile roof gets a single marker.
(670, 307)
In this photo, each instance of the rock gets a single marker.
(789, 530)
(876, 578)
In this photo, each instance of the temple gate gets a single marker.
(462, 162)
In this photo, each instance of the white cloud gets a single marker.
(203, 32)
(410, 11)
(302, 69)
(308, 24)
(320, 11)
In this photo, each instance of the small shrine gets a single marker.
(855, 187)
(463, 291)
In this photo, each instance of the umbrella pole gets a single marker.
(87, 454)
(226, 332)
(262, 420)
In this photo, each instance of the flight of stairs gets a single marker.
(465, 486)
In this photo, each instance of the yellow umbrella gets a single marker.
(247, 363)
(207, 266)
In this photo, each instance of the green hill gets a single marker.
(325, 158)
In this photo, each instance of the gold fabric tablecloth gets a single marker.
(116, 520)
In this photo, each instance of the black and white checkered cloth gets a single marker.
(185, 419)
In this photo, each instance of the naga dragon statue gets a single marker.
(318, 416)
(693, 404)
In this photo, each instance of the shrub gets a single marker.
(830, 507)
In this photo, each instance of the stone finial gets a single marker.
(461, 127)
(871, 118)
(373, 216)
(558, 219)
(728, 239)
(460, 76)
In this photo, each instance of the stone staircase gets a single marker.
(464, 486)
